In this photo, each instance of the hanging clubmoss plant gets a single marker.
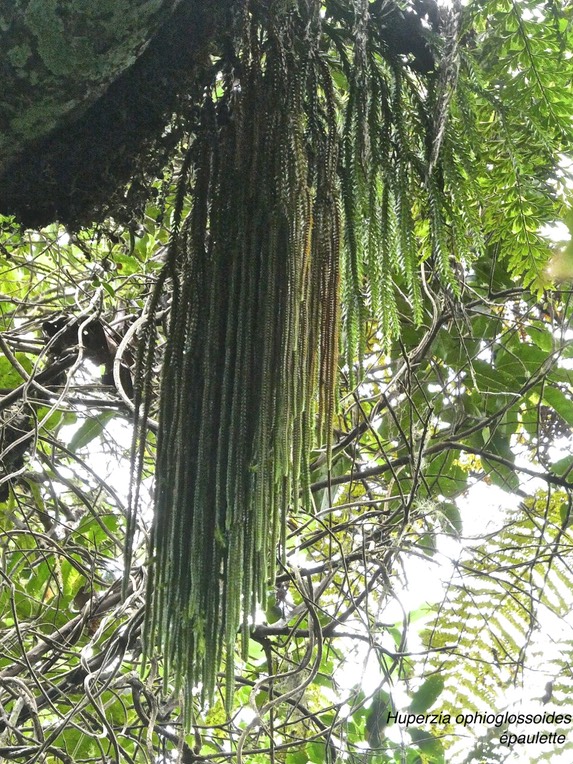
(328, 160)
(250, 369)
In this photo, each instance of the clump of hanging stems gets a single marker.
(309, 170)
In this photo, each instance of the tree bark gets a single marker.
(87, 90)
(59, 56)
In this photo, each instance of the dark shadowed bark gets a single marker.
(86, 90)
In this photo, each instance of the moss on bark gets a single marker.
(89, 88)
(59, 56)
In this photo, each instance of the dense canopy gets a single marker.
(297, 285)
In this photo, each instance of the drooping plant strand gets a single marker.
(251, 348)
(296, 185)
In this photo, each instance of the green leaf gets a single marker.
(297, 757)
(397, 634)
(542, 337)
(430, 746)
(565, 515)
(316, 752)
(563, 467)
(427, 543)
(339, 78)
(500, 474)
(273, 612)
(377, 718)
(453, 352)
(90, 429)
(521, 368)
(489, 379)
(9, 377)
(445, 476)
(562, 404)
(451, 513)
(425, 697)
(108, 288)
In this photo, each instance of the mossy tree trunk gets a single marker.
(86, 88)
(59, 56)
